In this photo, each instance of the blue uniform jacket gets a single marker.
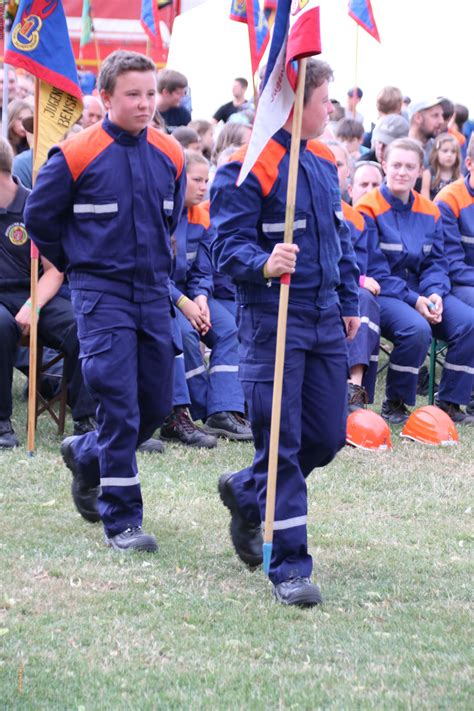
(103, 208)
(456, 204)
(192, 273)
(405, 245)
(358, 232)
(249, 220)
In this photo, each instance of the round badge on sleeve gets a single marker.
(17, 234)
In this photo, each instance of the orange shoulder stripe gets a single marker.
(81, 149)
(373, 204)
(265, 168)
(167, 145)
(425, 206)
(198, 215)
(456, 196)
(321, 150)
(351, 215)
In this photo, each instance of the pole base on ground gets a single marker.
(267, 556)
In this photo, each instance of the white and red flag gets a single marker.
(296, 34)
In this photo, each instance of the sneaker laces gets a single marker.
(358, 395)
(240, 418)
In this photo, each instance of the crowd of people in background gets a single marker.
(430, 135)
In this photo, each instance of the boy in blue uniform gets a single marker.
(103, 208)
(323, 308)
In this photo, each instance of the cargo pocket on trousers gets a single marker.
(95, 357)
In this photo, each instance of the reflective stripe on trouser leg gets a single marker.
(224, 389)
(411, 335)
(457, 329)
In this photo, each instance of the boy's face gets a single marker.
(316, 113)
(133, 101)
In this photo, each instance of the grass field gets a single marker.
(84, 628)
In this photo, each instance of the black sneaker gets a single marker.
(357, 397)
(395, 411)
(132, 539)
(246, 537)
(83, 495)
(151, 445)
(84, 425)
(8, 438)
(470, 408)
(179, 427)
(298, 591)
(231, 425)
(458, 416)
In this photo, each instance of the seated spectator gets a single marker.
(205, 131)
(172, 88)
(187, 137)
(456, 204)
(349, 132)
(389, 101)
(445, 166)
(366, 176)
(93, 112)
(56, 325)
(426, 122)
(406, 256)
(238, 103)
(363, 349)
(354, 96)
(18, 109)
(386, 130)
(216, 393)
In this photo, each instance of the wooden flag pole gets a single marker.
(285, 281)
(354, 108)
(33, 367)
(96, 41)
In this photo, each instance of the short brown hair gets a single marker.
(120, 62)
(171, 80)
(193, 158)
(317, 72)
(348, 128)
(389, 100)
(406, 144)
(6, 156)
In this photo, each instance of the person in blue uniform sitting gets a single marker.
(216, 393)
(323, 311)
(406, 255)
(104, 207)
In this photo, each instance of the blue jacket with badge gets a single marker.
(250, 219)
(128, 192)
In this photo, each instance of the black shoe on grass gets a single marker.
(395, 412)
(132, 539)
(246, 537)
(298, 591)
(83, 495)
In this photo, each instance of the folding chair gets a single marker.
(60, 397)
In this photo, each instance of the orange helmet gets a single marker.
(430, 425)
(367, 430)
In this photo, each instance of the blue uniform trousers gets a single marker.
(127, 357)
(464, 293)
(411, 335)
(181, 396)
(215, 388)
(313, 420)
(364, 348)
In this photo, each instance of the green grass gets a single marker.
(190, 628)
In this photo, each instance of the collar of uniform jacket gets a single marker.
(120, 136)
(395, 202)
(283, 137)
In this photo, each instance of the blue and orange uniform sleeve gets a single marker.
(52, 198)
(199, 276)
(453, 200)
(434, 267)
(358, 232)
(235, 213)
(172, 149)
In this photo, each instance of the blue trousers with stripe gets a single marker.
(411, 335)
(127, 354)
(213, 388)
(364, 348)
(313, 420)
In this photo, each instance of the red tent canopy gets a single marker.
(116, 25)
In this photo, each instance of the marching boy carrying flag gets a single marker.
(280, 236)
(39, 42)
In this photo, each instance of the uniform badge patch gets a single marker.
(17, 234)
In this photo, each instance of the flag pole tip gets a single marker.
(267, 556)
